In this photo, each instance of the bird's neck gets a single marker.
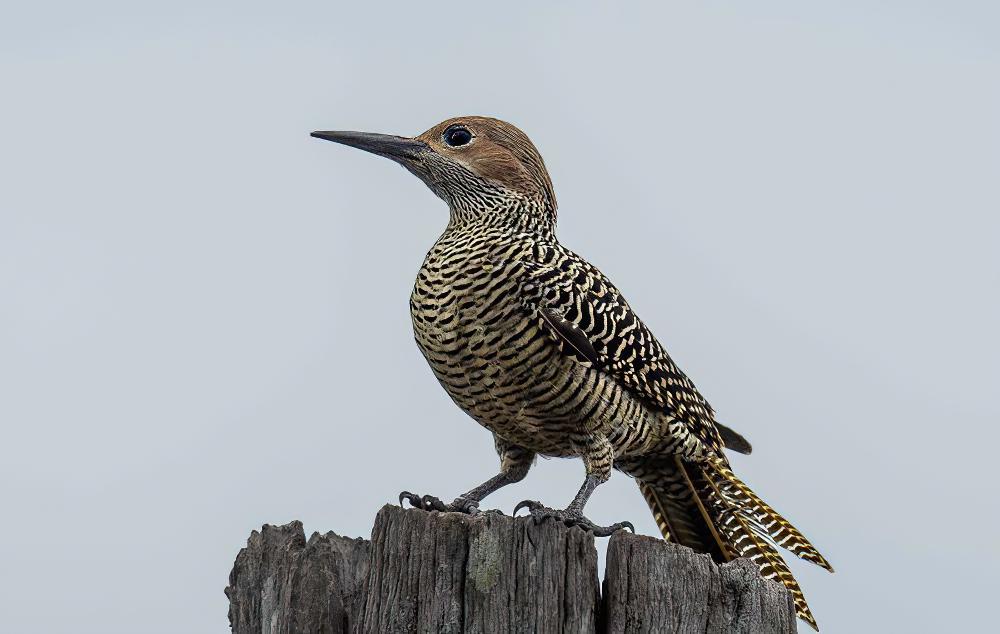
(523, 215)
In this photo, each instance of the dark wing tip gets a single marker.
(733, 440)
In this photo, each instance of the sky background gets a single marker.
(204, 313)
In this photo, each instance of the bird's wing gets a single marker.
(588, 316)
(733, 439)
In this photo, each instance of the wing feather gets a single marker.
(578, 305)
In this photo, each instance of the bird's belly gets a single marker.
(506, 374)
(513, 379)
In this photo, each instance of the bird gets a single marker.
(539, 347)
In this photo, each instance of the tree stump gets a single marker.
(449, 572)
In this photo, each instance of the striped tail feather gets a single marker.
(780, 530)
(707, 508)
(676, 510)
(749, 539)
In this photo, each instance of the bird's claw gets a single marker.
(539, 512)
(432, 503)
(412, 498)
(526, 504)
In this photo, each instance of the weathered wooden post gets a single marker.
(448, 572)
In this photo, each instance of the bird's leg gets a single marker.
(598, 459)
(514, 465)
(467, 502)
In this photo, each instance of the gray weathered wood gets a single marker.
(447, 572)
(654, 586)
(282, 584)
(434, 572)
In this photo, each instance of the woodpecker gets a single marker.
(540, 348)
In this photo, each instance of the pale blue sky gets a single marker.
(203, 312)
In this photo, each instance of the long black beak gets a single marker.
(397, 148)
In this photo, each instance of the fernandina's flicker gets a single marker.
(539, 347)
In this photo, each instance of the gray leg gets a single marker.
(598, 458)
(515, 462)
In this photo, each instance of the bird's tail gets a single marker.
(707, 508)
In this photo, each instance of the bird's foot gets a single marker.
(431, 503)
(570, 518)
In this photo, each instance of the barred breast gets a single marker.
(490, 355)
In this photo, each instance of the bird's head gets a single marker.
(483, 168)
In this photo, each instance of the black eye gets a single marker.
(457, 135)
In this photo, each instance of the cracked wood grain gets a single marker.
(448, 572)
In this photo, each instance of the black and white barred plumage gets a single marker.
(539, 347)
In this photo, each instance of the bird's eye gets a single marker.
(457, 135)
